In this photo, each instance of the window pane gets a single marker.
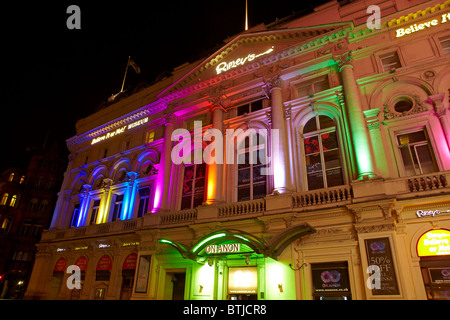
(329, 141)
(407, 161)
(188, 173)
(243, 109)
(334, 177)
(332, 159)
(257, 177)
(243, 160)
(185, 203)
(412, 137)
(321, 85)
(325, 122)
(425, 159)
(313, 163)
(305, 91)
(200, 170)
(244, 193)
(187, 187)
(199, 185)
(312, 145)
(310, 126)
(315, 180)
(257, 105)
(198, 200)
(259, 190)
(244, 176)
(390, 61)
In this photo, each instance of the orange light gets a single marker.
(434, 243)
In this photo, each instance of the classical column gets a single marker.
(130, 197)
(84, 205)
(215, 170)
(280, 149)
(160, 202)
(105, 202)
(359, 134)
(437, 100)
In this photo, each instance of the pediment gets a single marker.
(249, 51)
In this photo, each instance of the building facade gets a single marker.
(334, 182)
(28, 198)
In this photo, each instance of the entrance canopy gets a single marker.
(231, 241)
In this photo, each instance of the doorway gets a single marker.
(174, 286)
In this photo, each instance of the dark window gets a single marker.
(313, 86)
(193, 186)
(390, 61)
(94, 211)
(75, 215)
(250, 107)
(445, 43)
(118, 202)
(416, 153)
(144, 198)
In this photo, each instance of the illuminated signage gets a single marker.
(422, 213)
(421, 26)
(81, 248)
(132, 243)
(223, 248)
(102, 245)
(243, 280)
(119, 130)
(225, 66)
(434, 243)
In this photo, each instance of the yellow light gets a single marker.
(434, 243)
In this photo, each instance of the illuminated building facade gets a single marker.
(356, 207)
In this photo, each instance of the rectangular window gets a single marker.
(26, 227)
(118, 202)
(76, 212)
(416, 153)
(250, 107)
(390, 61)
(94, 211)
(445, 44)
(144, 198)
(251, 183)
(193, 186)
(150, 136)
(313, 86)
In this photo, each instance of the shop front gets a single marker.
(235, 265)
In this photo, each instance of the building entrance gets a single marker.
(175, 285)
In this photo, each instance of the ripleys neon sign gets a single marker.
(225, 66)
(421, 26)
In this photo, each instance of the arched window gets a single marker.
(251, 182)
(33, 205)
(11, 177)
(4, 199)
(322, 154)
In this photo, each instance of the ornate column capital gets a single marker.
(273, 82)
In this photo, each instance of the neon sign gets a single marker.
(421, 213)
(421, 26)
(434, 243)
(224, 66)
(222, 248)
(120, 130)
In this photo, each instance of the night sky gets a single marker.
(53, 76)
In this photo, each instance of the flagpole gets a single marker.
(246, 15)
(125, 75)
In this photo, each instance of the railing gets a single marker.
(182, 216)
(241, 208)
(427, 182)
(322, 196)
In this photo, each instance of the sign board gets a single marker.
(243, 280)
(60, 265)
(119, 130)
(223, 248)
(105, 263)
(130, 262)
(379, 254)
(143, 273)
(330, 279)
(440, 275)
(434, 243)
(422, 26)
(82, 263)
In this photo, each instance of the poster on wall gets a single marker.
(143, 272)
(379, 254)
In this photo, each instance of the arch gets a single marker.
(148, 155)
(442, 81)
(421, 231)
(123, 164)
(78, 181)
(323, 108)
(403, 85)
(99, 172)
(284, 239)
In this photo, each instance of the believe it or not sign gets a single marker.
(422, 26)
(223, 248)
(82, 263)
(120, 130)
(105, 263)
(434, 243)
(60, 265)
(130, 262)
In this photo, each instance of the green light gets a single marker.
(166, 241)
(219, 235)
